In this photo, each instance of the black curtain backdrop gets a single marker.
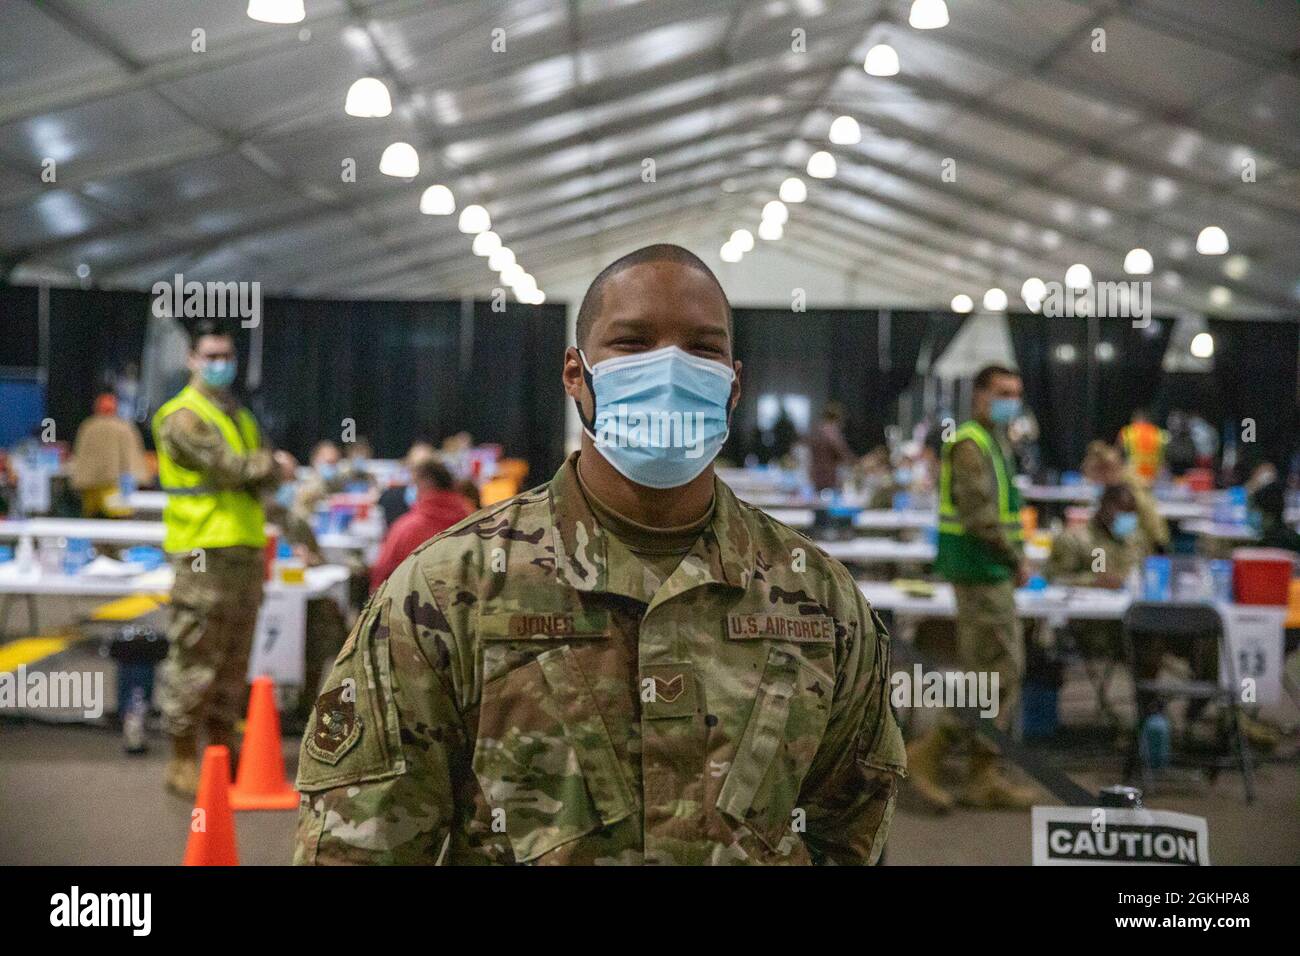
(1055, 390)
(18, 327)
(786, 353)
(1255, 368)
(1192, 392)
(92, 332)
(513, 391)
(407, 370)
(1131, 377)
(940, 329)
(400, 370)
(863, 359)
(1081, 390)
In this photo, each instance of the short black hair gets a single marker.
(1270, 500)
(1118, 497)
(984, 378)
(434, 472)
(201, 327)
(659, 252)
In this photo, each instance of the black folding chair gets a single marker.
(1149, 627)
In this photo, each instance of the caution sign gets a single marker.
(1107, 836)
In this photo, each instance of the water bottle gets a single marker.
(1155, 741)
(133, 723)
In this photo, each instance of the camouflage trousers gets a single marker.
(203, 682)
(990, 639)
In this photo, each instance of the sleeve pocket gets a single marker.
(352, 735)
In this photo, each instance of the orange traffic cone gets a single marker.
(261, 783)
(212, 825)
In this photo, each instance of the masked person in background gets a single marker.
(1104, 466)
(626, 665)
(979, 552)
(1101, 554)
(397, 500)
(327, 477)
(213, 465)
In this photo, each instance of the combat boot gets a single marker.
(182, 776)
(924, 765)
(223, 735)
(987, 788)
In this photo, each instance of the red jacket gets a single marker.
(433, 511)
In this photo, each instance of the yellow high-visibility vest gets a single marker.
(197, 516)
(962, 558)
(1144, 446)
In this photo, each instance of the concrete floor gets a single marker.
(69, 795)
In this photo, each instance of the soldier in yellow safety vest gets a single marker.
(979, 552)
(213, 465)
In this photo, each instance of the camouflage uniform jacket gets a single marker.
(497, 702)
(975, 495)
(197, 445)
(1080, 554)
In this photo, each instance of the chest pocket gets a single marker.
(543, 757)
(781, 737)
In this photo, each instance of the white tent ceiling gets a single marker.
(226, 164)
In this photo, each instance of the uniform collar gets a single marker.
(723, 554)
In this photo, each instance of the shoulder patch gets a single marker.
(338, 725)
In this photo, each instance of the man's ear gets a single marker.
(571, 375)
(735, 388)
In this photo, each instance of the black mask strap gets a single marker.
(588, 424)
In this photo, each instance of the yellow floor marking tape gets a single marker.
(28, 650)
(128, 608)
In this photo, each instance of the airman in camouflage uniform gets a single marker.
(979, 552)
(214, 530)
(551, 682)
(513, 694)
(1095, 555)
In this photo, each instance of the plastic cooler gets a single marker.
(1261, 576)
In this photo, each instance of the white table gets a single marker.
(1091, 604)
(360, 536)
(878, 550)
(93, 529)
(1214, 529)
(320, 579)
(870, 519)
(278, 642)
(139, 502)
(744, 479)
(1059, 494)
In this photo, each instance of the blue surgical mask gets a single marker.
(662, 416)
(1124, 524)
(327, 470)
(410, 495)
(284, 495)
(1003, 411)
(219, 373)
